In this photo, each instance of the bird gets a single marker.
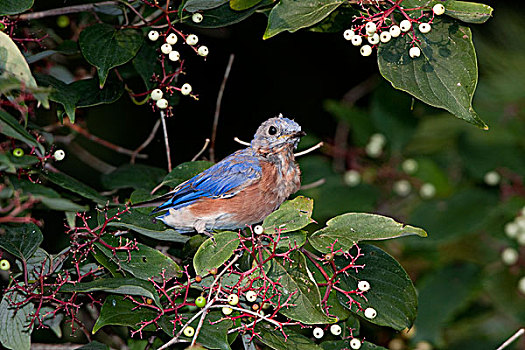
(240, 190)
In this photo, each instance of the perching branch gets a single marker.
(65, 10)
(166, 142)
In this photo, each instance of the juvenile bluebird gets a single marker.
(243, 188)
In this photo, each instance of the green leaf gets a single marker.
(118, 311)
(94, 345)
(240, 5)
(214, 332)
(10, 127)
(21, 241)
(291, 239)
(14, 322)
(224, 16)
(13, 7)
(199, 5)
(134, 176)
(145, 225)
(391, 293)
(292, 15)
(185, 171)
(292, 215)
(215, 252)
(72, 184)
(470, 12)
(294, 277)
(345, 344)
(62, 93)
(350, 228)
(143, 263)
(336, 22)
(273, 338)
(126, 286)
(446, 73)
(105, 47)
(13, 64)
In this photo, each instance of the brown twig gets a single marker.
(64, 10)
(314, 184)
(166, 142)
(308, 150)
(145, 143)
(516, 335)
(238, 140)
(89, 159)
(206, 143)
(218, 107)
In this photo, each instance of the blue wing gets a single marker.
(223, 180)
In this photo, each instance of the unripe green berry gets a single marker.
(63, 21)
(18, 152)
(189, 331)
(4, 265)
(200, 301)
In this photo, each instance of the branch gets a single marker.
(64, 10)
(218, 107)
(244, 143)
(516, 335)
(206, 143)
(311, 149)
(145, 143)
(166, 142)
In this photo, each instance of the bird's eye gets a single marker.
(272, 130)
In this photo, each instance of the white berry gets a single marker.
(335, 329)
(378, 138)
(370, 27)
(59, 155)
(438, 9)
(509, 256)
(185, 89)
(348, 34)
(171, 39)
(162, 103)
(427, 191)
(402, 188)
(521, 285)
(197, 18)
(492, 178)
(521, 238)
(227, 310)
(512, 229)
(405, 25)
(318, 332)
(166, 48)
(409, 166)
(373, 149)
(203, 51)
(366, 50)
(370, 312)
(352, 178)
(424, 28)
(192, 39)
(385, 37)
(363, 286)
(520, 220)
(156, 94)
(357, 40)
(258, 230)
(395, 31)
(251, 296)
(373, 39)
(233, 299)
(355, 343)
(414, 52)
(153, 35)
(174, 56)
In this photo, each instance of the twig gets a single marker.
(244, 143)
(91, 160)
(166, 142)
(313, 184)
(516, 335)
(360, 90)
(64, 10)
(311, 149)
(206, 143)
(218, 107)
(145, 143)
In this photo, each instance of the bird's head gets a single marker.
(276, 133)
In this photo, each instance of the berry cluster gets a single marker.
(377, 25)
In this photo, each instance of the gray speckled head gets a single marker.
(277, 132)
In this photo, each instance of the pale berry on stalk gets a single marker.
(203, 51)
(373, 150)
(357, 40)
(258, 230)
(153, 35)
(370, 28)
(156, 94)
(414, 52)
(438, 9)
(366, 50)
(395, 31)
(521, 285)
(162, 103)
(385, 37)
(424, 28)
(335, 329)
(378, 138)
(227, 310)
(402, 188)
(174, 56)
(189, 331)
(348, 34)
(197, 17)
(405, 25)
(352, 178)
(409, 166)
(492, 178)
(251, 296)
(512, 229)
(171, 39)
(192, 39)
(355, 343)
(521, 238)
(233, 299)
(370, 312)
(427, 191)
(520, 220)
(166, 48)
(509, 256)
(59, 155)
(363, 286)
(318, 333)
(373, 39)
(185, 89)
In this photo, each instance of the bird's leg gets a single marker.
(200, 227)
